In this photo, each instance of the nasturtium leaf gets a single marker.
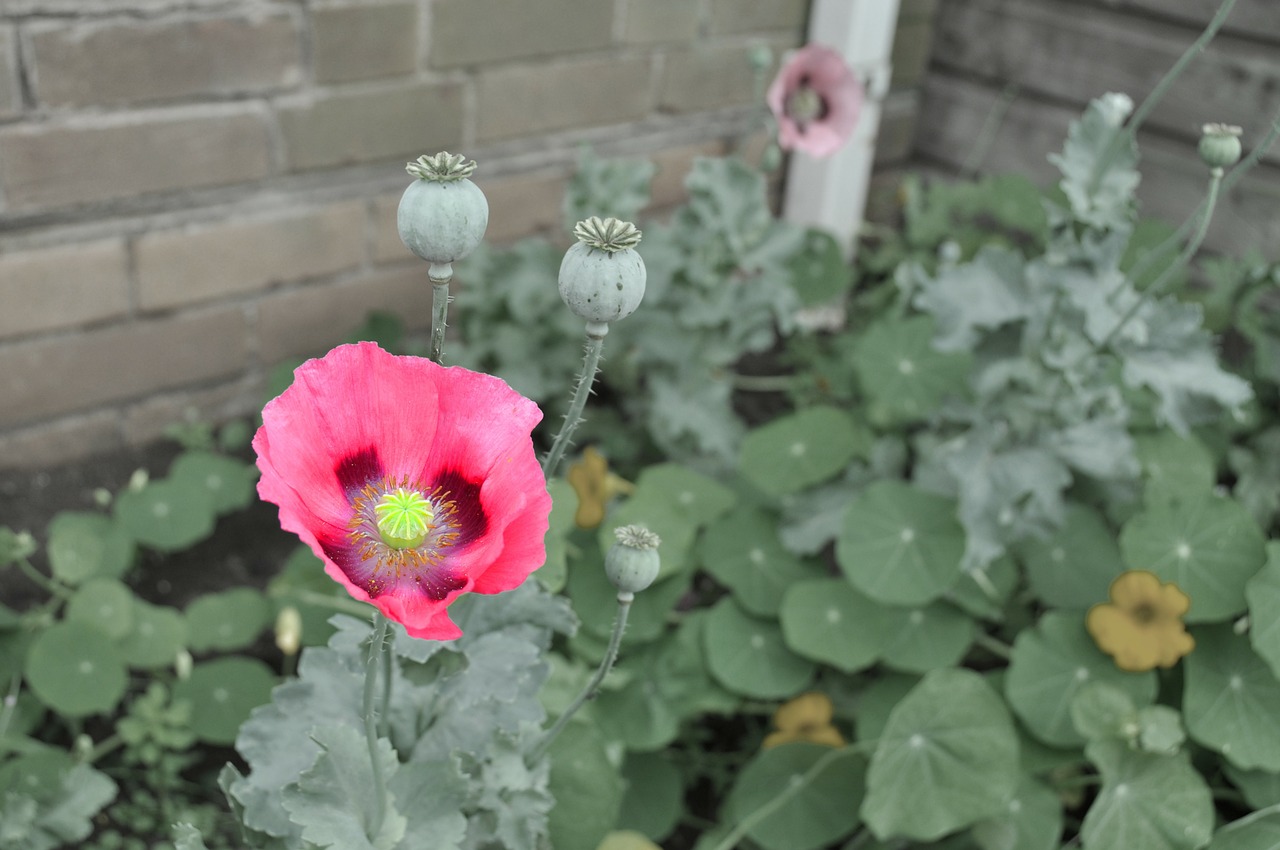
(1206, 544)
(586, 786)
(820, 811)
(75, 669)
(1255, 831)
(877, 701)
(1100, 711)
(802, 449)
(334, 801)
(1032, 820)
(983, 592)
(1050, 664)
(159, 634)
(1261, 788)
(900, 545)
(84, 545)
(748, 655)
(638, 714)
(827, 620)
(167, 515)
(693, 494)
(921, 639)
(819, 272)
(1150, 801)
(1175, 466)
(1230, 699)
(659, 513)
(229, 620)
(229, 482)
(947, 759)
(1262, 592)
(564, 505)
(1074, 566)
(222, 692)
(904, 375)
(1160, 729)
(654, 797)
(742, 551)
(105, 604)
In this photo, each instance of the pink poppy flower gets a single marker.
(413, 482)
(816, 100)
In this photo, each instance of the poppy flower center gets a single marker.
(401, 529)
(805, 105)
(404, 518)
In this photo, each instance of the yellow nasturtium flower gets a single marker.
(805, 718)
(595, 485)
(1141, 627)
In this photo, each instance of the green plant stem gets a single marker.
(763, 383)
(439, 274)
(104, 748)
(1157, 94)
(740, 831)
(50, 586)
(370, 722)
(1156, 287)
(10, 704)
(384, 716)
(993, 645)
(590, 363)
(593, 687)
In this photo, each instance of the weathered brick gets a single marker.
(522, 205)
(312, 319)
(364, 42)
(672, 167)
(527, 100)
(10, 94)
(147, 421)
(201, 262)
(387, 247)
(912, 42)
(62, 287)
(705, 77)
(58, 375)
(477, 32)
(659, 21)
(59, 441)
(340, 129)
(132, 61)
(97, 158)
(744, 16)
(895, 138)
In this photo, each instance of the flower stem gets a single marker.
(380, 624)
(590, 363)
(384, 716)
(50, 586)
(593, 687)
(10, 704)
(439, 274)
(740, 831)
(993, 645)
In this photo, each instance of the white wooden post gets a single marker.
(831, 193)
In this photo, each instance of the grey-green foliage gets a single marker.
(48, 801)
(1068, 353)
(462, 718)
(607, 188)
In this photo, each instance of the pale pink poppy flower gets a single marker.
(816, 100)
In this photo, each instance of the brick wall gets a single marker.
(193, 190)
(1051, 56)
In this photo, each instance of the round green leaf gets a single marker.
(1149, 801)
(1256, 831)
(742, 552)
(877, 700)
(818, 812)
(75, 670)
(903, 374)
(105, 604)
(586, 787)
(654, 798)
(826, 620)
(159, 633)
(222, 693)
(1261, 788)
(948, 758)
(748, 655)
(1032, 820)
(819, 272)
(1230, 699)
(1262, 592)
(1175, 465)
(1074, 567)
(167, 515)
(229, 482)
(921, 639)
(639, 715)
(803, 449)
(84, 545)
(698, 497)
(900, 545)
(1208, 545)
(1050, 664)
(226, 621)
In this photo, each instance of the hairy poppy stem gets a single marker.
(370, 723)
(593, 687)
(590, 363)
(439, 274)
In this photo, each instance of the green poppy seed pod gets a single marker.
(632, 563)
(442, 215)
(1220, 145)
(602, 276)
